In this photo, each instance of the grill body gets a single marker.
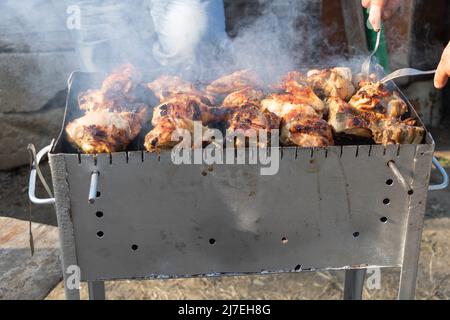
(330, 208)
(324, 209)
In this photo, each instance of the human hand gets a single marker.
(380, 9)
(443, 70)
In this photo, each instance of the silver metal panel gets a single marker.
(414, 223)
(65, 222)
(159, 219)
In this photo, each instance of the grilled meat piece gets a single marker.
(180, 112)
(360, 80)
(336, 82)
(104, 131)
(305, 130)
(166, 87)
(161, 136)
(119, 92)
(296, 92)
(346, 119)
(397, 132)
(290, 80)
(374, 97)
(249, 122)
(283, 103)
(385, 130)
(233, 82)
(189, 107)
(121, 82)
(243, 97)
(114, 114)
(301, 124)
(95, 100)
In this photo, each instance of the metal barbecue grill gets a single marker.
(136, 215)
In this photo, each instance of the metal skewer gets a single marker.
(400, 177)
(365, 69)
(406, 72)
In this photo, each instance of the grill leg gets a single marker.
(354, 283)
(96, 290)
(408, 274)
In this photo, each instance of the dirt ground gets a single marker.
(433, 279)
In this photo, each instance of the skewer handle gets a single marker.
(93, 187)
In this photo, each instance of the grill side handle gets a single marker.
(32, 182)
(444, 174)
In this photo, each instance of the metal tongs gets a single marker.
(406, 72)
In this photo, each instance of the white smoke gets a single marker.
(286, 35)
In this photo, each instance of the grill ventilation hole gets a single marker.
(383, 219)
(99, 214)
(389, 182)
(134, 247)
(297, 267)
(98, 194)
(212, 241)
(100, 234)
(355, 235)
(386, 201)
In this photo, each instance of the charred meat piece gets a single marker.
(114, 114)
(346, 119)
(189, 107)
(180, 112)
(166, 87)
(162, 135)
(121, 82)
(305, 131)
(95, 100)
(233, 82)
(119, 92)
(105, 131)
(397, 132)
(296, 92)
(280, 104)
(301, 124)
(336, 82)
(243, 97)
(289, 81)
(249, 122)
(360, 80)
(293, 77)
(371, 124)
(374, 97)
